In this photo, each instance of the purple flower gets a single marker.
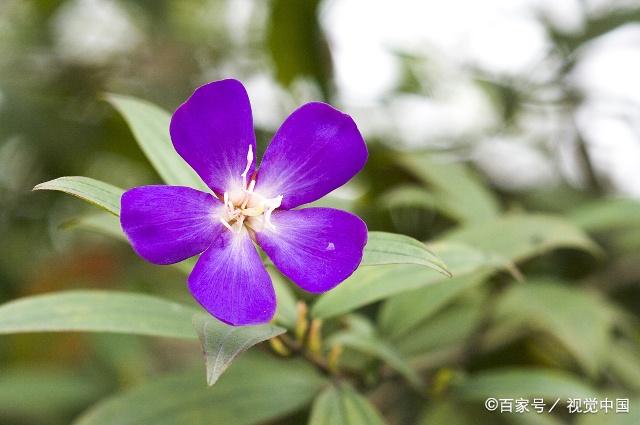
(316, 150)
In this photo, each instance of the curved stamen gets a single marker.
(246, 170)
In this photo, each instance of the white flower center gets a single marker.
(246, 207)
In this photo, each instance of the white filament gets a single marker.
(246, 170)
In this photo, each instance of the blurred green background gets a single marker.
(538, 99)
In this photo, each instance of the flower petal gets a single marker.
(167, 224)
(316, 150)
(317, 248)
(230, 281)
(213, 131)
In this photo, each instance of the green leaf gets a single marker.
(96, 192)
(462, 258)
(525, 383)
(97, 311)
(150, 127)
(408, 196)
(370, 343)
(341, 405)
(518, 237)
(390, 248)
(580, 320)
(257, 388)
(370, 284)
(458, 193)
(223, 343)
(400, 314)
(607, 214)
(45, 392)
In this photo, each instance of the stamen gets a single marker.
(272, 204)
(246, 170)
(227, 225)
(226, 199)
(249, 192)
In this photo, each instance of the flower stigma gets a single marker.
(246, 207)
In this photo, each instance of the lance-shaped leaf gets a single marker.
(390, 248)
(150, 127)
(102, 194)
(342, 405)
(257, 388)
(222, 343)
(370, 284)
(97, 311)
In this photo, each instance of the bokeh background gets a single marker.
(541, 98)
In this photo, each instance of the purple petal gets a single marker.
(316, 150)
(230, 281)
(317, 248)
(167, 224)
(213, 130)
